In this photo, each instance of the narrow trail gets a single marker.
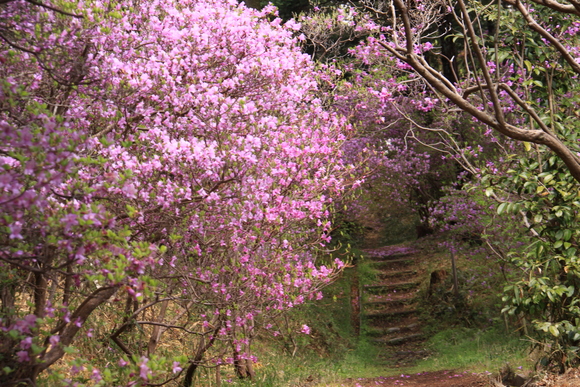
(389, 305)
(389, 315)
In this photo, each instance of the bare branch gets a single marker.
(549, 37)
(573, 8)
(495, 120)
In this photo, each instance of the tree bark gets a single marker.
(69, 331)
(203, 347)
(157, 329)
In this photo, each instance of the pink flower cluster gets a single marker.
(189, 134)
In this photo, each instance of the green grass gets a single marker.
(457, 349)
(276, 369)
(475, 350)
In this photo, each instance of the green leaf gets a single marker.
(501, 208)
(36, 349)
(549, 177)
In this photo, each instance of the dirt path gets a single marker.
(465, 379)
(425, 379)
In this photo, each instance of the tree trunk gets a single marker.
(455, 282)
(157, 329)
(203, 347)
(240, 366)
(69, 330)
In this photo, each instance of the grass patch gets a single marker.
(475, 350)
(361, 362)
(277, 369)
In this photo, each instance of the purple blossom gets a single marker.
(22, 356)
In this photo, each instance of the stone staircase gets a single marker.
(388, 306)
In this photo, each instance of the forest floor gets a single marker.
(462, 379)
(448, 378)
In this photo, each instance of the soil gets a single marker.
(464, 379)
(424, 379)
(569, 379)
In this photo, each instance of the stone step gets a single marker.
(390, 315)
(394, 330)
(399, 274)
(388, 262)
(386, 258)
(397, 308)
(399, 340)
(388, 306)
(393, 265)
(381, 321)
(396, 295)
(390, 251)
(388, 287)
(389, 303)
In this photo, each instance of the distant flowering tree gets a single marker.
(169, 154)
(385, 100)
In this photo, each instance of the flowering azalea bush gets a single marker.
(167, 163)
